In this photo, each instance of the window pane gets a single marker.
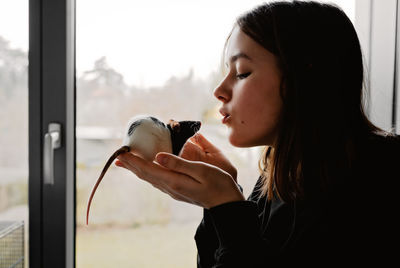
(146, 57)
(14, 132)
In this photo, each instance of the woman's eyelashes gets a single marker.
(243, 75)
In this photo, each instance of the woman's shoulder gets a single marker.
(385, 137)
(376, 184)
(378, 155)
(387, 144)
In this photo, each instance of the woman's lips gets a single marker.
(226, 118)
(225, 114)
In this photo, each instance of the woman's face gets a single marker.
(250, 92)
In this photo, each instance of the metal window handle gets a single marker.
(52, 141)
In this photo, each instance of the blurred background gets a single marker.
(132, 57)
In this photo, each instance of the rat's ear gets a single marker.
(174, 125)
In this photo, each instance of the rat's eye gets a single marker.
(242, 76)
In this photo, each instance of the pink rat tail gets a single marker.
(123, 149)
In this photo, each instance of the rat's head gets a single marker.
(181, 131)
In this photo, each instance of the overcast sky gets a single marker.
(147, 41)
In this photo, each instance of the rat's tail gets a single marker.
(123, 149)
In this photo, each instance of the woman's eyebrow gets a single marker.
(237, 56)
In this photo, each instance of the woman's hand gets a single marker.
(198, 148)
(194, 182)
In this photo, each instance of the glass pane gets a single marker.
(146, 57)
(14, 133)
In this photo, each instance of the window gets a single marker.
(14, 122)
(159, 58)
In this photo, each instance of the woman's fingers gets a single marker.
(170, 182)
(194, 182)
(205, 144)
(175, 195)
(141, 167)
(119, 163)
(194, 169)
(191, 151)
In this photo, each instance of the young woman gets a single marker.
(294, 83)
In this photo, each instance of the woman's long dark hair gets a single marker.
(322, 91)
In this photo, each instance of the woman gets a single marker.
(294, 84)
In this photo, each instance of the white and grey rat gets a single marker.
(146, 136)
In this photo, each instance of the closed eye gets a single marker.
(242, 76)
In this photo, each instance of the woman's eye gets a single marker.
(242, 76)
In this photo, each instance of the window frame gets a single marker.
(52, 99)
(380, 51)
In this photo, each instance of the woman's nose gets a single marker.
(221, 93)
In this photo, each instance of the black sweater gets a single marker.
(357, 226)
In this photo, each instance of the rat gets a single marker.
(147, 136)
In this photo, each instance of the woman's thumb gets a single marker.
(190, 151)
(177, 163)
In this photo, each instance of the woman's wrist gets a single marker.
(228, 199)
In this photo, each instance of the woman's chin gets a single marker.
(237, 142)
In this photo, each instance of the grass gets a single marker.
(149, 246)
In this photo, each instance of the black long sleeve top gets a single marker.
(357, 226)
